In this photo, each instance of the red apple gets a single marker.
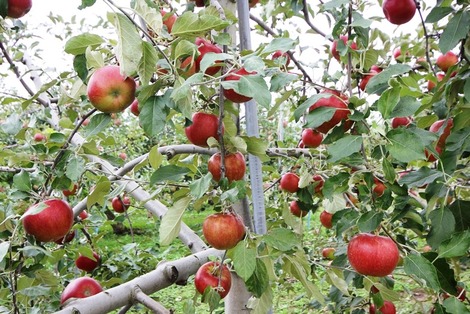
(200, 3)
(445, 61)
(18, 8)
(83, 215)
(296, 210)
(109, 91)
(387, 308)
(73, 191)
(401, 121)
(319, 181)
(231, 94)
(282, 57)
(311, 138)
(86, 122)
(289, 182)
(169, 18)
(328, 253)
(334, 50)
(123, 155)
(252, 3)
(379, 187)
(82, 287)
(120, 205)
(67, 238)
(205, 126)
(437, 127)
(365, 80)
(135, 108)
(461, 294)
(235, 166)
(430, 156)
(399, 11)
(431, 84)
(373, 255)
(39, 137)
(223, 230)
(187, 67)
(397, 53)
(86, 263)
(340, 114)
(204, 46)
(208, 276)
(326, 219)
(50, 224)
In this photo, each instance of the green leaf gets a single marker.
(437, 13)
(282, 239)
(155, 157)
(388, 101)
(152, 17)
(12, 125)
(190, 24)
(129, 48)
(442, 226)
(168, 173)
(455, 306)
(337, 281)
(80, 66)
(280, 43)
(86, 3)
(35, 209)
(3, 8)
(200, 186)
(370, 221)
(423, 269)
(405, 145)
(4, 248)
(458, 140)
(458, 245)
(300, 110)
(98, 195)
(258, 283)
(77, 45)
(461, 213)
(298, 268)
(170, 225)
(379, 82)
(153, 115)
(251, 86)
(211, 297)
(75, 168)
(147, 63)
(280, 80)
(318, 116)
(244, 260)
(445, 273)
(264, 303)
(407, 106)
(22, 181)
(418, 178)
(210, 58)
(256, 146)
(94, 59)
(344, 147)
(360, 21)
(456, 30)
(97, 124)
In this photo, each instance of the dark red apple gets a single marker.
(328, 253)
(205, 126)
(296, 210)
(71, 192)
(340, 114)
(200, 3)
(326, 219)
(431, 84)
(461, 294)
(437, 127)
(282, 57)
(231, 94)
(379, 187)
(374, 70)
(252, 3)
(318, 179)
(373, 255)
(223, 230)
(50, 224)
(334, 45)
(204, 46)
(387, 308)
(88, 264)
(109, 91)
(18, 8)
(289, 182)
(82, 287)
(401, 121)
(67, 238)
(135, 108)
(119, 204)
(169, 18)
(399, 11)
(39, 137)
(311, 138)
(445, 61)
(235, 166)
(208, 276)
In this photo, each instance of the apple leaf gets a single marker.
(263, 304)
(318, 116)
(300, 110)
(282, 239)
(171, 222)
(280, 80)
(423, 269)
(12, 125)
(97, 124)
(388, 101)
(99, 193)
(256, 146)
(35, 209)
(211, 58)
(258, 283)
(344, 147)
(75, 168)
(151, 16)
(4, 248)
(445, 273)
(22, 181)
(155, 157)
(86, 3)
(80, 66)
(370, 221)
(437, 13)
(200, 186)
(244, 260)
(420, 177)
(379, 82)
(190, 24)
(281, 43)
(335, 279)
(454, 306)
(456, 29)
(406, 106)
(168, 173)
(147, 63)
(3, 8)
(211, 297)
(360, 21)
(457, 245)
(153, 115)
(129, 46)
(459, 140)
(405, 146)
(442, 226)
(461, 213)
(251, 86)
(78, 45)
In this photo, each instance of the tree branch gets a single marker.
(148, 302)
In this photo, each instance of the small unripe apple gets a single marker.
(83, 215)
(123, 155)
(447, 60)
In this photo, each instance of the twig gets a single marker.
(426, 36)
(307, 20)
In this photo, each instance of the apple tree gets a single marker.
(270, 116)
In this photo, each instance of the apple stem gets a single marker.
(426, 36)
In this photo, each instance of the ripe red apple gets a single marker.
(373, 255)
(461, 294)
(86, 263)
(187, 67)
(109, 91)
(73, 191)
(119, 204)
(67, 238)
(401, 121)
(311, 138)
(399, 11)
(82, 287)
(205, 126)
(334, 45)
(289, 182)
(328, 253)
(431, 84)
(200, 3)
(231, 94)
(208, 276)
(223, 230)
(430, 156)
(252, 3)
(379, 187)
(445, 61)
(284, 57)
(123, 155)
(436, 127)
(39, 137)
(18, 8)
(52, 223)
(396, 53)
(326, 219)
(204, 46)
(374, 70)
(235, 166)
(169, 18)
(334, 101)
(319, 181)
(83, 215)
(296, 210)
(135, 108)
(387, 308)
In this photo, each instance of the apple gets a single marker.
(334, 45)
(399, 11)
(319, 183)
(208, 275)
(123, 155)
(231, 94)
(204, 46)
(50, 224)
(446, 61)
(187, 67)
(86, 263)
(326, 219)
(301, 144)
(334, 101)
(430, 156)
(205, 126)
(82, 287)
(311, 138)
(109, 91)
(328, 253)
(39, 137)
(461, 294)
(83, 215)
(373, 255)
(200, 3)
(396, 53)
(296, 210)
(86, 122)
(223, 230)
(135, 108)
(169, 18)
(18, 8)
(436, 127)
(71, 192)
(431, 84)
(281, 57)
(289, 182)
(67, 238)
(235, 166)
(379, 187)
(401, 121)
(119, 204)
(387, 308)
(252, 3)
(374, 70)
